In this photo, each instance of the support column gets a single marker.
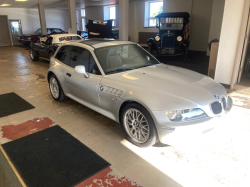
(72, 16)
(123, 19)
(42, 18)
(231, 40)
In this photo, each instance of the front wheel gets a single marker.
(139, 125)
(55, 89)
(33, 55)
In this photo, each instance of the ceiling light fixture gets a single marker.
(5, 5)
(21, 0)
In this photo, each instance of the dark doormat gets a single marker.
(11, 103)
(52, 157)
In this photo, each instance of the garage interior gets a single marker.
(219, 48)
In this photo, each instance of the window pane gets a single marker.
(79, 56)
(155, 9)
(68, 38)
(112, 13)
(14, 27)
(83, 13)
(152, 22)
(93, 68)
(83, 24)
(64, 55)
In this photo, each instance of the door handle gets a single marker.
(68, 74)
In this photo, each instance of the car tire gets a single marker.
(33, 55)
(135, 129)
(56, 89)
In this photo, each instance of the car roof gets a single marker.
(97, 43)
(173, 14)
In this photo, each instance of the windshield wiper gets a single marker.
(119, 69)
(145, 65)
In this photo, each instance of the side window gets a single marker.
(93, 68)
(79, 56)
(64, 54)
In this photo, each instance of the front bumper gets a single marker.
(25, 42)
(173, 133)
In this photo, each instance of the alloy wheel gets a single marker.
(136, 125)
(54, 87)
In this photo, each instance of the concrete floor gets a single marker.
(219, 158)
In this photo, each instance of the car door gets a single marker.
(77, 84)
(44, 48)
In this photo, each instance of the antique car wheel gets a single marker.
(33, 55)
(139, 125)
(55, 89)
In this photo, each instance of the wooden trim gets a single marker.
(13, 167)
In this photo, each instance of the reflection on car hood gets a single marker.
(174, 81)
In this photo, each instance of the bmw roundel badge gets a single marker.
(217, 97)
(101, 88)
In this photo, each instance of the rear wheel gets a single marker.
(33, 55)
(139, 125)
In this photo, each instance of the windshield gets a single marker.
(68, 38)
(38, 31)
(118, 58)
(171, 23)
(54, 31)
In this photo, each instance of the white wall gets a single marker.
(177, 6)
(30, 18)
(94, 13)
(200, 24)
(216, 20)
(231, 40)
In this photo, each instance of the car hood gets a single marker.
(173, 81)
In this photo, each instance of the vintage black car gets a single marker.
(173, 36)
(46, 49)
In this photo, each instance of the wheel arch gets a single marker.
(129, 102)
(49, 74)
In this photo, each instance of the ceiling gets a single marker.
(58, 4)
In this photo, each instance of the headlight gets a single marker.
(179, 38)
(189, 114)
(29, 38)
(157, 38)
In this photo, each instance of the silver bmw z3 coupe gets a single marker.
(153, 101)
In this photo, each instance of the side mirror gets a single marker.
(81, 69)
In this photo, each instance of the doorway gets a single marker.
(243, 79)
(16, 29)
(5, 36)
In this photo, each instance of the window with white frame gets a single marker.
(110, 14)
(152, 9)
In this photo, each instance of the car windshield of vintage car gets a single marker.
(68, 38)
(171, 23)
(119, 58)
